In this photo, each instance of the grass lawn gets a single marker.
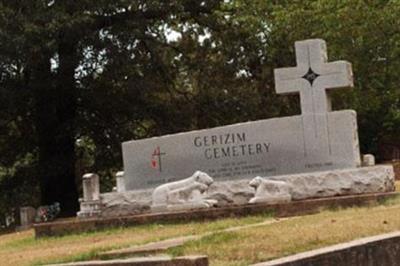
(257, 244)
(239, 247)
(23, 249)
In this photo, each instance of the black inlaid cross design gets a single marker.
(310, 76)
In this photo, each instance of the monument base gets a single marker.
(353, 181)
(374, 179)
(91, 208)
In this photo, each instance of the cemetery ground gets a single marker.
(230, 241)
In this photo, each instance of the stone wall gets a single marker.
(382, 250)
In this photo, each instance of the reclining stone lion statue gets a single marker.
(184, 194)
(270, 191)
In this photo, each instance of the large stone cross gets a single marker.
(312, 76)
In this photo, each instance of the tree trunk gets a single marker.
(56, 105)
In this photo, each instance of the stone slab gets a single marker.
(69, 226)
(382, 250)
(154, 247)
(374, 179)
(265, 148)
(145, 261)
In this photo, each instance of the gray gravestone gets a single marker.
(27, 216)
(91, 187)
(90, 204)
(120, 181)
(316, 140)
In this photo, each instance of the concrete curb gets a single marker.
(145, 261)
(382, 250)
(149, 248)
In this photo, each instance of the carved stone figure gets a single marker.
(183, 194)
(270, 191)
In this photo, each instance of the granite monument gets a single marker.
(316, 140)
(314, 154)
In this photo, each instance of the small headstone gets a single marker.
(90, 204)
(91, 187)
(368, 160)
(120, 181)
(27, 216)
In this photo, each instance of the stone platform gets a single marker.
(330, 183)
(300, 207)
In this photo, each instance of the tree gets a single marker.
(54, 43)
(103, 72)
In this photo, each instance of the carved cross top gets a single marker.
(312, 76)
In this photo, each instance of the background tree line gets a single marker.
(79, 77)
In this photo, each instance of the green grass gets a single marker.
(256, 244)
(23, 249)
